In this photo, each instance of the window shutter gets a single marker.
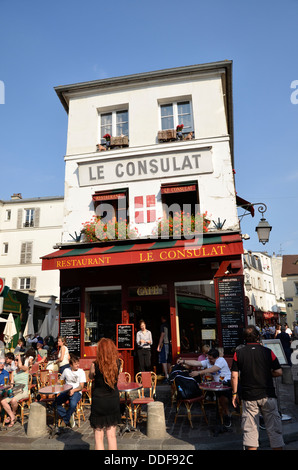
(14, 283)
(20, 218)
(36, 216)
(33, 283)
(26, 253)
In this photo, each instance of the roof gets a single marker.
(289, 265)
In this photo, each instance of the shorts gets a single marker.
(250, 422)
(18, 396)
(165, 355)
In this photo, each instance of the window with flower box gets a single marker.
(175, 113)
(114, 123)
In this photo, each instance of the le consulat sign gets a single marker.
(119, 170)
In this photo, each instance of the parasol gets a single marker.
(10, 329)
(44, 329)
(29, 328)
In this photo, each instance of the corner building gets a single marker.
(144, 168)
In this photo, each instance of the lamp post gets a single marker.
(263, 229)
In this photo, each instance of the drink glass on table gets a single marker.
(5, 380)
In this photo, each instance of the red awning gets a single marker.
(245, 205)
(82, 256)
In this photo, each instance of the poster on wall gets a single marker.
(70, 318)
(232, 312)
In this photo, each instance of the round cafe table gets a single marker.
(54, 390)
(128, 387)
(216, 387)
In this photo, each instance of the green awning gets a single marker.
(196, 303)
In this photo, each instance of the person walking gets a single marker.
(105, 405)
(254, 367)
(144, 342)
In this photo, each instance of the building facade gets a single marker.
(290, 281)
(143, 150)
(28, 227)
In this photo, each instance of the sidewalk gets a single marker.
(180, 436)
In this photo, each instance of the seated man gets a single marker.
(218, 368)
(42, 353)
(76, 377)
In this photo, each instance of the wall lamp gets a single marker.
(263, 229)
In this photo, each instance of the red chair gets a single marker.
(125, 377)
(148, 381)
(188, 403)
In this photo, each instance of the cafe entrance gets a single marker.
(149, 310)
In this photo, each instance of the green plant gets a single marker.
(184, 224)
(99, 230)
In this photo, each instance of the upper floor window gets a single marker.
(114, 123)
(5, 248)
(8, 214)
(177, 112)
(29, 218)
(26, 253)
(24, 283)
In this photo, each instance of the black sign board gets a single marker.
(70, 302)
(125, 336)
(70, 328)
(232, 312)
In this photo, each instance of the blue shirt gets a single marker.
(3, 374)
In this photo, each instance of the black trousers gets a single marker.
(144, 356)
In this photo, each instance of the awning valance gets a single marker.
(105, 254)
(245, 205)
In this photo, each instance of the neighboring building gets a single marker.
(145, 167)
(290, 282)
(261, 281)
(28, 228)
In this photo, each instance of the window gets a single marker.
(114, 123)
(176, 113)
(296, 288)
(26, 253)
(5, 248)
(180, 197)
(24, 283)
(8, 214)
(29, 218)
(109, 205)
(145, 209)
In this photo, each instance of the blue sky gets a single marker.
(49, 43)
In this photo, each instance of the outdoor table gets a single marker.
(128, 387)
(215, 387)
(54, 390)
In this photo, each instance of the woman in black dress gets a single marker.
(105, 407)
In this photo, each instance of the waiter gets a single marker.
(144, 342)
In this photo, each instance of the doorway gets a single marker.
(150, 311)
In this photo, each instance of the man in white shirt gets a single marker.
(76, 377)
(218, 368)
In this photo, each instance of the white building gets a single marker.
(28, 228)
(145, 166)
(262, 277)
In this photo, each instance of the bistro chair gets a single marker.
(78, 414)
(146, 393)
(24, 403)
(188, 403)
(87, 390)
(125, 377)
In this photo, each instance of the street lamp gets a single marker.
(263, 229)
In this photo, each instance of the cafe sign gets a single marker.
(119, 170)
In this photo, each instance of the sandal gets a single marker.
(12, 423)
(7, 420)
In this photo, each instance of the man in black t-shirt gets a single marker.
(255, 366)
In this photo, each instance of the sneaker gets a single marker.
(227, 422)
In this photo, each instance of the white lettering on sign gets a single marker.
(136, 168)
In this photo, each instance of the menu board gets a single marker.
(232, 312)
(70, 328)
(70, 302)
(276, 347)
(125, 336)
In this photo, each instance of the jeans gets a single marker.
(65, 414)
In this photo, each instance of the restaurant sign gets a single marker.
(142, 256)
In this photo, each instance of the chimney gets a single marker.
(16, 196)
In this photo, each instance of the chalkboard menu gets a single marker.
(70, 328)
(232, 312)
(70, 321)
(125, 336)
(70, 302)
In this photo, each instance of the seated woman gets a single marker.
(10, 404)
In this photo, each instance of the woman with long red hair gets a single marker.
(105, 405)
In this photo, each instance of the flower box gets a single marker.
(167, 135)
(121, 141)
